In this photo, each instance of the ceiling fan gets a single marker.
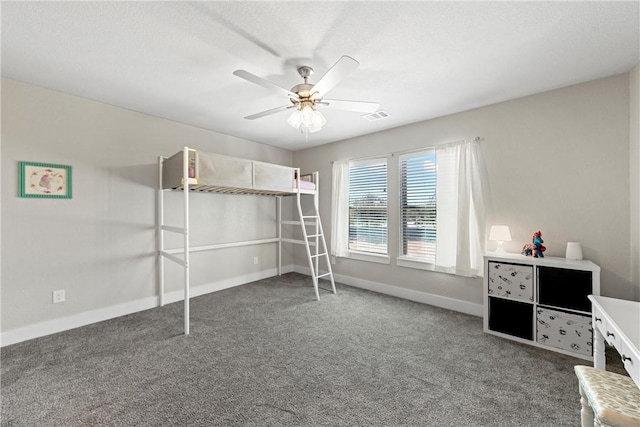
(306, 97)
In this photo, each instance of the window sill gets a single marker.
(413, 263)
(360, 256)
(423, 265)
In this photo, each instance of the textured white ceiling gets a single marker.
(418, 59)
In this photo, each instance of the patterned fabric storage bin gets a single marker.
(564, 330)
(511, 281)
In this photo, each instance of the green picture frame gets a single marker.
(45, 180)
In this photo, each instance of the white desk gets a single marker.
(617, 322)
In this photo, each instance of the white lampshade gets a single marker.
(574, 251)
(500, 234)
(295, 119)
(307, 115)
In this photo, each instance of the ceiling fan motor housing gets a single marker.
(303, 90)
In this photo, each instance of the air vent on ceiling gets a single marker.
(378, 115)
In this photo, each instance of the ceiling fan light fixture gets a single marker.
(307, 113)
(295, 119)
(307, 119)
(318, 121)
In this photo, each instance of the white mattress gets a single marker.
(306, 185)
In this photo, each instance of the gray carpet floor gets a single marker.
(268, 354)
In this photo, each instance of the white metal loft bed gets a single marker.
(195, 171)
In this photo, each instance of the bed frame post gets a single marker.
(185, 185)
(160, 233)
(279, 218)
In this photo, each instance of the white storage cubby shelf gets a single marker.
(541, 301)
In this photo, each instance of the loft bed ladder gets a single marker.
(314, 238)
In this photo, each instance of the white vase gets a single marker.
(574, 251)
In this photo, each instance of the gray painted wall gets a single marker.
(100, 246)
(556, 162)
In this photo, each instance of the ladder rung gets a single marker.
(314, 235)
(295, 241)
(310, 216)
(322, 275)
(317, 255)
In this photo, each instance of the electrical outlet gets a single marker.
(255, 260)
(58, 296)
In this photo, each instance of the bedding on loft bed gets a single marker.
(222, 174)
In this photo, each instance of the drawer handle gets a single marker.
(625, 358)
(611, 334)
(598, 319)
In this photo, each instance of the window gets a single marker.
(418, 213)
(440, 217)
(441, 209)
(368, 206)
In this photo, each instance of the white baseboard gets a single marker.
(53, 326)
(409, 294)
(208, 288)
(60, 324)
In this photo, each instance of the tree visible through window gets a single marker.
(368, 206)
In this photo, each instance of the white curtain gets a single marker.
(460, 221)
(340, 209)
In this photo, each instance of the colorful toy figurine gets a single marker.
(536, 247)
(538, 243)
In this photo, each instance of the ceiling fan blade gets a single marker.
(341, 69)
(262, 82)
(360, 106)
(269, 112)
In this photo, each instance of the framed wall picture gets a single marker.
(44, 180)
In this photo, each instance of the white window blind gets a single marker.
(368, 206)
(418, 213)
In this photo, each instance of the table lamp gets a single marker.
(500, 234)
